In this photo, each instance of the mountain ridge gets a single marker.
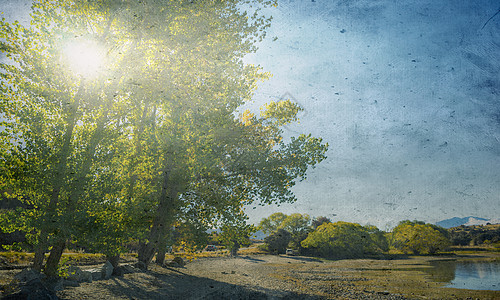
(467, 221)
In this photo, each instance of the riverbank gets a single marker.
(283, 277)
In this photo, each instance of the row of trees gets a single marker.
(475, 235)
(148, 141)
(343, 239)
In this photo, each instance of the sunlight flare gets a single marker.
(84, 57)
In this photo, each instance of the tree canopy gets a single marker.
(418, 237)
(344, 239)
(148, 136)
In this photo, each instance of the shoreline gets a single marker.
(283, 277)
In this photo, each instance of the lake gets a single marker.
(474, 275)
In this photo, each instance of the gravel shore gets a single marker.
(277, 277)
(244, 277)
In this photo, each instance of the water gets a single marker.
(473, 275)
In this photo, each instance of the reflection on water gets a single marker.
(474, 275)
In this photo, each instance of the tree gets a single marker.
(277, 242)
(299, 226)
(379, 238)
(153, 134)
(272, 223)
(60, 125)
(236, 234)
(296, 223)
(342, 239)
(418, 237)
(316, 222)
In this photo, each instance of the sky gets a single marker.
(406, 93)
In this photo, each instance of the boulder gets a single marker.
(78, 275)
(27, 275)
(34, 290)
(173, 264)
(71, 283)
(35, 285)
(103, 272)
(177, 262)
(95, 273)
(141, 265)
(107, 270)
(54, 284)
(124, 269)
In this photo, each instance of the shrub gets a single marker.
(419, 238)
(344, 240)
(278, 241)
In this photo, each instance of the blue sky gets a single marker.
(407, 94)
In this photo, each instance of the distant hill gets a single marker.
(467, 221)
(259, 235)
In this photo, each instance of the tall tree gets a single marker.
(272, 223)
(61, 118)
(149, 139)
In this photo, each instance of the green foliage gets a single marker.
(296, 223)
(474, 235)
(189, 236)
(281, 112)
(277, 242)
(418, 238)
(148, 140)
(343, 240)
(235, 234)
(316, 222)
(272, 223)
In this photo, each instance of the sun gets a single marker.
(84, 58)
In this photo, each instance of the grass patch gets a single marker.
(16, 258)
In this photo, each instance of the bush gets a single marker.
(278, 241)
(419, 238)
(345, 240)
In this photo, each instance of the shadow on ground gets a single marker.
(252, 259)
(176, 286)
(303, 258)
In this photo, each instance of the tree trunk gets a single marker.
(146, 252)
(161, 222)
(162, 250)
(40, 250)
(56, 189)
(53, 261)
(235, 248)
(39, 257)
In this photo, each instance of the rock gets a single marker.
(78, 275)
(128, 269)
(71, 283)
(179, 261)
(173, 264)
(103, 272)
(141, 265)
(27, 275)
(35, 290)
(95, 273)
(107, 270)
(35, 285)
(55, 284)
(118, 271)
